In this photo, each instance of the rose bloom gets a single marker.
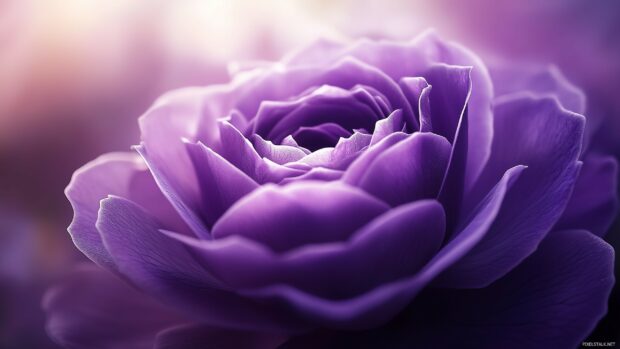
(371, 195)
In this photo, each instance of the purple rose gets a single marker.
(372, 195)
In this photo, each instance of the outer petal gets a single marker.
(188, 210)
(540, 195)
(92, 308)
(291, 216)
(190, 114)
(594, 203)
(161, 266)
(552, 300)
(543, 80)
(121, 174)
(412, 169)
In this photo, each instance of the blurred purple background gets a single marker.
(75, 75)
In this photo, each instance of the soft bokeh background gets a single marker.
(76, 74)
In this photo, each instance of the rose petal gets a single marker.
(448, 98)
(540, 80)
(348, 108)
(189, 210)
(553, 299)
(191, 114)
(385, 127)
(540, 195)
(221, 183)
(417, 91)
(121, 174)
(410, 170)
(287, 217)
(280, 154)
(130, 236)
(357, 169)
(594, 202)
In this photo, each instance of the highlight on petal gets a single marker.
(385, 127)
(538, 79)
(340, 156)
(452, 88)
(121, 174)
(417, 91)
(186, 208)
(280, 154)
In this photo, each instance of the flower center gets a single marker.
(320, 117)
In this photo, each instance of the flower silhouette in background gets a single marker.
(377, 194)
